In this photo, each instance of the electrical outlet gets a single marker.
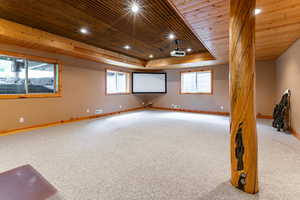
(222, 107)
(21, 120)
(143, 103)
(88, 110)
(175, 106)
(121, 106)
(98, 111)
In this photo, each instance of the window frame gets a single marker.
(128, 82)
(198, 70)
(57, 63)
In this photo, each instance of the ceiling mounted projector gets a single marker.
(177, 52)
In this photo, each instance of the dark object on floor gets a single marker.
(281, 114)
(25, 183)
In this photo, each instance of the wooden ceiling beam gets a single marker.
(24, 36)
(194, 60)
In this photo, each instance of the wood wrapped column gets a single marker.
(242, 95)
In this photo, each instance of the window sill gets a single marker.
(197, 93)
(24, 96)
(127, 93)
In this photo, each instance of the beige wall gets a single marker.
(265, 95)
(83, 84)
(288, 77)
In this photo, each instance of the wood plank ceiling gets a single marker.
(278, 26)
(110, 23)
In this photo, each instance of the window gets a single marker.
(196, 82)
(25, 77)
(117, 82)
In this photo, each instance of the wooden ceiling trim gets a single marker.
(186, 65)
(24, 36)
(175, 62)
(17, 34)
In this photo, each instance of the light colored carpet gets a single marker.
(152, 155)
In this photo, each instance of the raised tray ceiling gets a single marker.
(110, 23)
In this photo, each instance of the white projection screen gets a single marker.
(143, 83)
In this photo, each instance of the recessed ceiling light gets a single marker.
(189, 50)
(171, 36)
(84, 31)
(257, 11)
(151, 56)
(127, 47)
(135, 8)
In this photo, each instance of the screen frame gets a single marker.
(166, 82)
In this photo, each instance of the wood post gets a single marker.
(242, 95)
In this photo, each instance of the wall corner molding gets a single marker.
(295, 133)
